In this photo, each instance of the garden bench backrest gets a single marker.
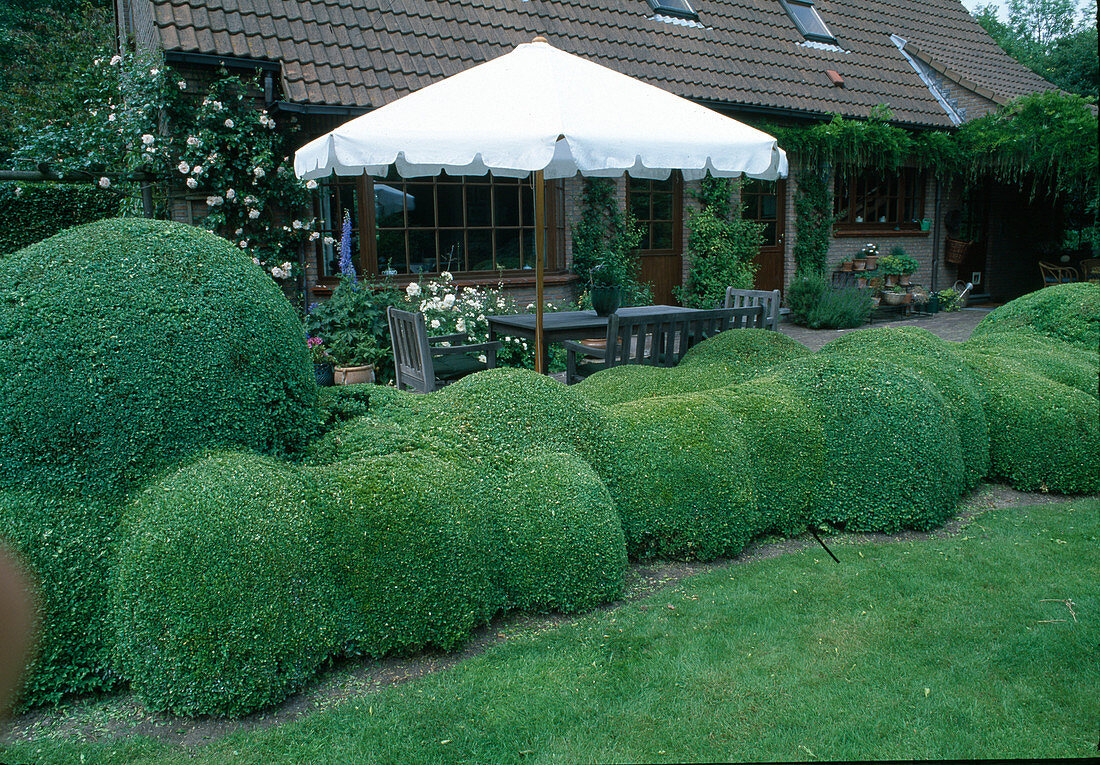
(663, 339)
(1053, 273)
(770, 299)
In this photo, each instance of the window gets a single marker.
(808, 20)
(681, 9)
(335, 196)
(876, 200)
(760, 202)
(655, 205)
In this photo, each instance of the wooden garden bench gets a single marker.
(770, 299)
(656, 340)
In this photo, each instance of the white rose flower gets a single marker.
(314, 236)
(148, 139)
(481, 358)
(154, 72)
(18, 191)
(110, 118)
(530, 306)
(229, 123)
(256, 261)
(278, 273)
(243, 244)
(116, 60)
(259, 172)
(329, 240)
(184, 168)
(448, 300)
(311, 184)
(197, 169)
(296, 224)
(214, 200)
(413, 289)
(238, 232)
(253, 214)
(460, 325)
(446, 276)
(192, 183)
(230, 194)
(287, 265)
(182, 84)
(193, 140)
(104, 182)
(435, 323)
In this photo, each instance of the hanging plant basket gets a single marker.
(956, 250)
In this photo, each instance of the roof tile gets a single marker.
(746, 54)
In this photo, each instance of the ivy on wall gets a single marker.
(813, 223)
(607, 235)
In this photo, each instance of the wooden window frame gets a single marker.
(677, 214)
(872, 189)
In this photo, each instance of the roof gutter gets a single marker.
(295, 108)
(804, 114)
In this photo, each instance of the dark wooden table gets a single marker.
(565, 325)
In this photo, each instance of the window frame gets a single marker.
(665, 10)
(676, 190)
(813, 36)
(856, 187)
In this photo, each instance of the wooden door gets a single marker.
(765, 202)
(657, 207)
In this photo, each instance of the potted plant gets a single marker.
(896, 295)
(355, 362)
(845, 265)
(605, 288)
(323, 363)
(869, 255)
(949, 299)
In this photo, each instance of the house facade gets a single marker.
(781, 61)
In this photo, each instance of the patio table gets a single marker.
(566, 325)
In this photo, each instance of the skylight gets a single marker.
(807, 19)
(679, 8)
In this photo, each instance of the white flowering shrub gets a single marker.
(449, 309)
(140, 116)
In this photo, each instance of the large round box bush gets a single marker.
(224, 596)
(1067, 312)
(127, 344)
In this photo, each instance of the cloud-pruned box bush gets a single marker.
(126, 344)
(1066, 312)
(224, 600)
(717, 362)
(936, 362)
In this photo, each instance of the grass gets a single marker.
(985, 643)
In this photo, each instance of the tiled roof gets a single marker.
(743, 53)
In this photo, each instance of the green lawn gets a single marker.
(963, 646)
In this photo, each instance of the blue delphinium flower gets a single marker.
(347, 268)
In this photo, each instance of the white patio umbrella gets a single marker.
(541, 110)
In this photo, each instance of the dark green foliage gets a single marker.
(224, 601)
(354, 326)
(409, 551)
(36, 211)
(715, 363)
(1066, 312)
(813, 223)
(1043, 434)
(891, 447)
(606, 236)
(557, 537)
(679, 474)
(68, 544)
(815, 303)
(721, 248)
(127, 344)
(937, 363)
(1064, 363)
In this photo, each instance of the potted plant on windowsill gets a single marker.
(605, 287)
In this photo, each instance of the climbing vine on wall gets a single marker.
(607, 235)
(813, 223)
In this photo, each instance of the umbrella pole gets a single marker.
(540, 258)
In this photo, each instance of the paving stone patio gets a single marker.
(956, 325)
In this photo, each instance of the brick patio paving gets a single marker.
(956, 325)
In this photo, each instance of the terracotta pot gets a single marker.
(904, 280)
(891, 279)
(859, 264)
(861, 282)
(354, 375)
(846, 266)
(872, 262)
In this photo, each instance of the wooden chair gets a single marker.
(1053, 273)
(422, 364)
(1090, 270)
(770, 299)
(656, 340)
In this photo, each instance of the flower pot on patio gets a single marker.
(896, 298)
(859, 264)
(605, 300)
(354, 375)
(872, 262)
(845, 266)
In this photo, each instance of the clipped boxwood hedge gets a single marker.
(1066, 312)
(127, 344)
(224, 600)
(68, 543)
